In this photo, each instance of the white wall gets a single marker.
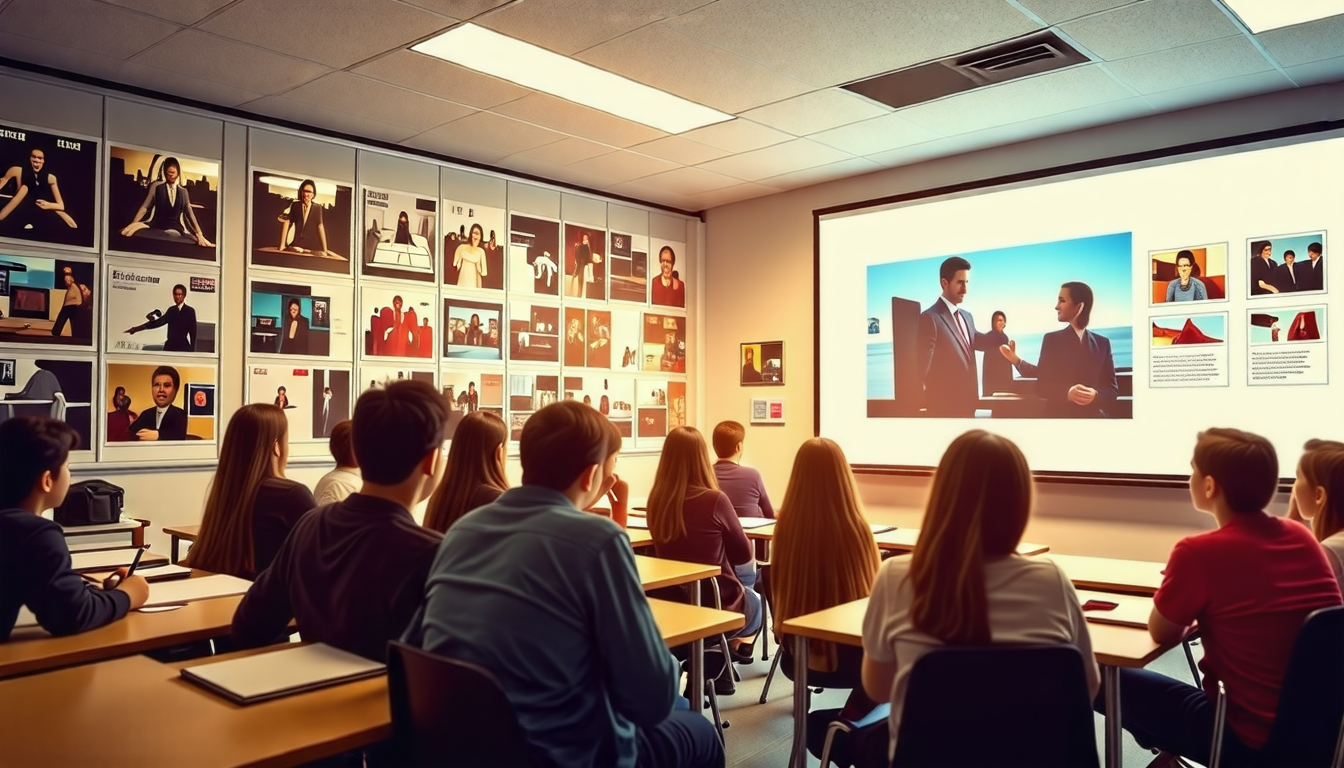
(759, 282)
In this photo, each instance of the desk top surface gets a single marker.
(187, 532)
(1111, 574)
(896, 540)
(655, 572)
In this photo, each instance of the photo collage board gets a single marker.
(111, 277)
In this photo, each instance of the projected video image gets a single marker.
(1029, 331)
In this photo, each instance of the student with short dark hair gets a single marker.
(353, 573)
(546, 597)
(1249, 585)
(743, 485)
(476, 473)
(35, 567)
(344, 479)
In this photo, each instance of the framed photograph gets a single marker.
(471, 389)
(767, 410)
(40, 385)
(157, 307)
(378, 376)
(667, 287)
(534, 333)
(160, 204)
(473, 329)
(300, 222)
(762, 363)
(314, 399)
(48, 187)
(160, 403)
(1189, 273)
(300, 320)
(536, 264)
(46, 300)
(528, 393)
(400, 235)
(398, 323)
(585, 262)
(629, 267)
(473, 246)
(664, 343)
(1285, 264)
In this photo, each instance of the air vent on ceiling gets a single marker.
(1030, 55)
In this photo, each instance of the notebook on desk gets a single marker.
(271, 675)
(152, 575)
(637, 522)
(754, 522)
(879, 528)
(1107, 608)
(190, 590)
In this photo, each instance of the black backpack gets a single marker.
(91, 502)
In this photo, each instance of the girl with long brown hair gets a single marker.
(475, 475)
(1318, 498)
(823, 552)
(251, 505)
(965, 584)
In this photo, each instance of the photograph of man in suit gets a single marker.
(946, 343)
(181, 322)
(1313, 269)
(164, 421)
(1286, 278)
(1262, 268)
(1076, 372)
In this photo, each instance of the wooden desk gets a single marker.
(655, 572)
(136, 528)
(897, 540)
(639, 537)
(32, 650)
(179, 534)
(174, 720)
(86, 561)
(1108, 574)
(1113, 647)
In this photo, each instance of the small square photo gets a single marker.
(762, 363)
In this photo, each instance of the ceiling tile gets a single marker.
(734, 195)
(1221, 90)
(436, 77)
(84, 24)
(503, 134)
(825, 43)
(337, 33)
(688, 181)
(680, 150)
(877, 135)
(655, 195)
(1051, 93)
(181, 11)
(458, 9)
(1305, 43)
(621, 165)
(454, 148)
(656, 55)
(578, 120)
(736, 135)
(170, 82)
(816, 111)
(1154, 25)
(855, 166)
(522, 163)
(196, 54)
(1059, 11)
(1317, 72)
(563, 152)
(47, 54)
(331, 120)
(344, 92)
(577, 25)
(781, 158)
(1190, 65)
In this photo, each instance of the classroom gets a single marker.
(200, 213)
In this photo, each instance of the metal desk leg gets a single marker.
(697, 667)
(1114, 750)
(174, 550)
(798, 756)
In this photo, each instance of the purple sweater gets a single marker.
(744, 488)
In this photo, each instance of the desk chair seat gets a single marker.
(447, 712)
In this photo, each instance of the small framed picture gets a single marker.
(767, 410)
(762, 363)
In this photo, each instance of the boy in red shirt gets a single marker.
(1249, 585)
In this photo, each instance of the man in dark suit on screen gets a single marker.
(1262, 268)
(164, 421)
(1076, 372)
(181, 322)
(946, 342)
(1313, 269)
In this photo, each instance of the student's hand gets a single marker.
(135, 587)
(147, 434)
(1009, 351)
(45, 204)
(1082, 395)
(619, 492)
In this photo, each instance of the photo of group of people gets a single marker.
(162, 205)
(1287, 264)
(314, 399)
(473, 329)
(398, 323)
(300, 222)
(535, 259)
(468, 391)
(534, 332)
(585, 262)
(664, 343)
(288, 319)
(48, 188)
(528, 393)
(153, 403)
(151, 308)
(473, 246)
(46, 301)
(629, 267)
(35, 385)
(1194, 273)
(400, 232)
(587, 338)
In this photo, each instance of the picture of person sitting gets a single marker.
(1076, 371)
(166, 212)
(282, 398)
(164, 421)
(301, 227)
(181, 322)
(36, 194)
(1186, 287)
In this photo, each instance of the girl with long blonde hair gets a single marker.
(1318, 498)
(251, 505)
(965, 584)
(475, 475)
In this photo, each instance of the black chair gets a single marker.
(1009, 706)
(1308, 730)
(447, 712)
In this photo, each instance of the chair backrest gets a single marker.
(447, 712)
(1311, 701)
(1000, 705)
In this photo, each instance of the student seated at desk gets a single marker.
(344, 479)
(251, 506)
(475, 475)
(964, 583)
(353, 573)
(742, 485)
(1249, 584)
(617, 494)
(547, 598)
(35, 565)
(1318, 498)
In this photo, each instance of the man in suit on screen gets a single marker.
(946, 342)
(181, 322)
(1313, 269)
(164, 421)
(1076, 371)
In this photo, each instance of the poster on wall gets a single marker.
(472, 330)
(300, 222)
(587, 338)
(529, 393)
(156, 308)
(48, 188)
(762, 362)
(534, 332)
(585, 262)
(397, 323)
(400, 231)
(626, 330)
(39, 385)
(651, 399)
(314, 399)
(534, 256)
(611, 397)
(1285, 264)
(468, 390)
(160, 403)
(667, 288)
(45, 300)
(162, 204)
(664, 343)
(473, 246)
(628, 264)
(300, 320)
(1189, 273)
(379, 376)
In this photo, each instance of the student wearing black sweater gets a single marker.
(35, 568)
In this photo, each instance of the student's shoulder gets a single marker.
(17, 524)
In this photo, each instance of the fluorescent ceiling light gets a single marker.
(541, 70)
(1263, 15)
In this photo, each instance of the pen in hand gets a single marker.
(121, 574)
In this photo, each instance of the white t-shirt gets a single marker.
(1334, 554)
(1030, 601)
(336, 485)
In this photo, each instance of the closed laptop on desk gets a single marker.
(272, 675)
